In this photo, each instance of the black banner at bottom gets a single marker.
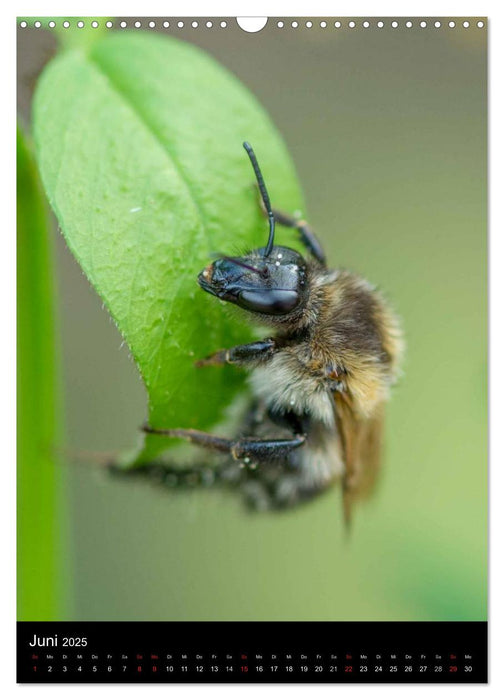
(252, 652)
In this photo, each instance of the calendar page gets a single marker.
(252, 384)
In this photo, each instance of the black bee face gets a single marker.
(271, 284)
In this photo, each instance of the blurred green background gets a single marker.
(387, 128)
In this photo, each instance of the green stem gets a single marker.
(42, 523)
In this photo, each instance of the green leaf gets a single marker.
(75, 36)
(42, 524)
(139, 143)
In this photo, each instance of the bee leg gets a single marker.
(245, 449)
(171, 476)
(259, 351)
(307, 235)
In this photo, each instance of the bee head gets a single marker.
(268, 280)
(273, 285)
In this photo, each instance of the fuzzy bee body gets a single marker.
(347, 325)
(347, 344)
(319, 384)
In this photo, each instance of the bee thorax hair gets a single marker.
(346, 324)
(285, 386)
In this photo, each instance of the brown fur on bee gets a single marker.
(345, 337)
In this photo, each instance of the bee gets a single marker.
(319, 382)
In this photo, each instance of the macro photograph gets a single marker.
(252, 319)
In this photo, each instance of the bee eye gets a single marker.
(274, 302)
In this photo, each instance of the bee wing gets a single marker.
(361, 441)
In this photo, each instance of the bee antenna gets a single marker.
(240, 263)
(264, 195)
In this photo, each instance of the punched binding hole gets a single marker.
(252, 24)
